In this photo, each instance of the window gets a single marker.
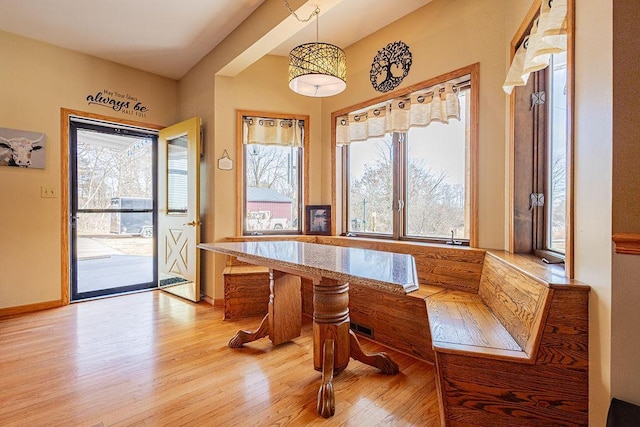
(272, 173)
(540, 174)
(370, 184)
(436, 176)
(410, 181)
(541, 145)
(555, 238)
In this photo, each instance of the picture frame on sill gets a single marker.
(318, 220)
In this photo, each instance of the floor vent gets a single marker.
(363, 330)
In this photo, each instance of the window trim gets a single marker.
(569, 225)
(337, 185)
(240, 168)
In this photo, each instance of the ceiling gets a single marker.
(166, 38)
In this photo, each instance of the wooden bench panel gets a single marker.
(398, 321)
(517, 300)
(246, 291)
(490, 392)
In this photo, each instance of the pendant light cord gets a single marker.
(314, 13)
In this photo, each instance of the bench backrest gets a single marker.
(457, 268)
(518, 300)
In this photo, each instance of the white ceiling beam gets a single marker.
(287, 26)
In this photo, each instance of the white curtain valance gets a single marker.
(268, 131)
(547, 37)
(398, 115)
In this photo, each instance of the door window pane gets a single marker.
(113, 250)
(111, 166)
(370, 193)
(177, 183)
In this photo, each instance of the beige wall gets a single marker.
(592, 192)
(36, 80)
(444, 36)
(625, 344)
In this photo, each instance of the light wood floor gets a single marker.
(153, 359)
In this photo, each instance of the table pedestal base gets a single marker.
(333, 342)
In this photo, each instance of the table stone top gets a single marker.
(388, 271)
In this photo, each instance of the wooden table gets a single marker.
(330, 268)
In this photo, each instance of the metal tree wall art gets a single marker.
(390, 66)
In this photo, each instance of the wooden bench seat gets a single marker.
(503, 320)
(461, 322)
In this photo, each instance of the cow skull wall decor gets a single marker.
(21, 148)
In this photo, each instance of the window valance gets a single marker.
(271, 131)
(439, 103)
(548, 36)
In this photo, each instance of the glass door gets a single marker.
(179, 209)
(113, 209)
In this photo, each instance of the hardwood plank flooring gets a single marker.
(153, 359)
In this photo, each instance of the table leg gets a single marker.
(243, 337)
(285, 307)
(284, 320)
(326, 398)
(381, 360)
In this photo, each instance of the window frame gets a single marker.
(303, 185)
(339, 160)
(539, 245)
(546, 249)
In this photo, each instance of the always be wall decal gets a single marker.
(21, 148)
(117, 101)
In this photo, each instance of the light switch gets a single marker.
(48, 192)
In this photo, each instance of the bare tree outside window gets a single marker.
(110, 167)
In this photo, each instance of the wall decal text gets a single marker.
(117, 101)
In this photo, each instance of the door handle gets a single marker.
(193, 223)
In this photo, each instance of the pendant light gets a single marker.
(317, 69)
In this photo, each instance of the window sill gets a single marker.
(554, 274)
(443, 242)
